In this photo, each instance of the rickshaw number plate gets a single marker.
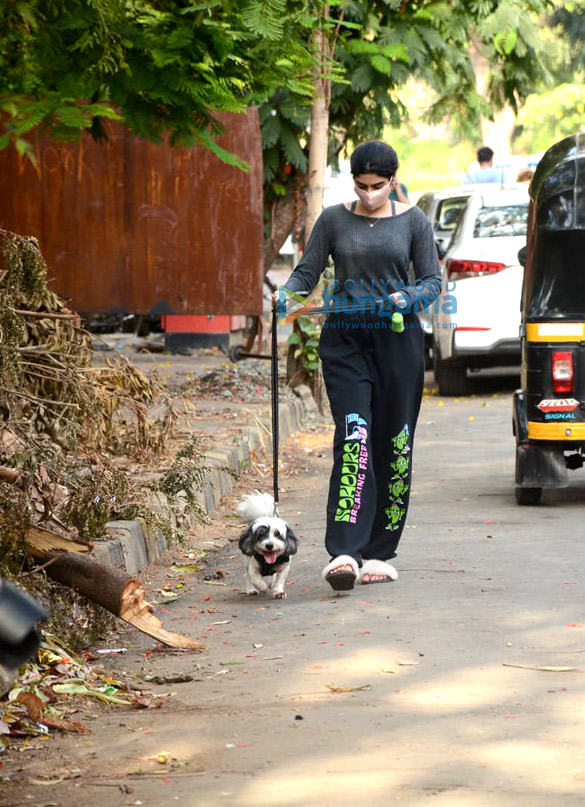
(561, 329)
(555, 331)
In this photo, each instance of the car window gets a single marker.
(449, 213)
(493, 222)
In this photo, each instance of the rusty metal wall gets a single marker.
(134, 224)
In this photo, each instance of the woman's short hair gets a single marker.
(374, 157)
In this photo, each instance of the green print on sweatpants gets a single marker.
(397, 487)
(353, 469)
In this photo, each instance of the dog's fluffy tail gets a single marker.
(256, 505)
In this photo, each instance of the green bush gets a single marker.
(549, 117)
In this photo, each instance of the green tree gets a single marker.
(157, 67)
(553, 112)
(383, 44)
(568, 20)
(550, 116)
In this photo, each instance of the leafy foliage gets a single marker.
(380, 45)
(306, 339)
(158, 67)
(551, 116)
(507, 33)
(567, 23)
(187, 475)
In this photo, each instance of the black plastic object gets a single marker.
(574, 461)
(554, 281)
(19, 615)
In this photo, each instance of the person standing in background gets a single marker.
(486, 171)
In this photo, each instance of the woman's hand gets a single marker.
(275, 297)
(398, 300)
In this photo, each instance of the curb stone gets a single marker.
(134, 544)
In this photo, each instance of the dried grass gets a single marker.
(64, 419)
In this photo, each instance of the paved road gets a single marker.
(446, 708)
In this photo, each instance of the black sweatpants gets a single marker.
(374, 379)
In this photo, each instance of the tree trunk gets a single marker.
(283, 214)
(319, 136)
(318, 144)
(65, 561)
(480, 65)
(499, 132)
(115, 591)
(286, 218)
(496, 133)
(40, 541)
(317, 158)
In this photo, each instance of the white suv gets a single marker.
(476, 320)
(444, 209)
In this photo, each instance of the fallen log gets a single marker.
(115, 591)
(39, 541)
(64, 560)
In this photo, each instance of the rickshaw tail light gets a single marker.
(458, 270)
(562, 371)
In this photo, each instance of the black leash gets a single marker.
(274, 395)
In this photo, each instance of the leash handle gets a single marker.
(274, 401)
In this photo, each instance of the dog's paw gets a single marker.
(251, 592)
(279, 595)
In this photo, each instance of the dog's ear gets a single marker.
(291, 542)
(247, 541)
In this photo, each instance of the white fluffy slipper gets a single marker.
(379, 567)
(343, 580)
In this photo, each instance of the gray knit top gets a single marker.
(371, 261)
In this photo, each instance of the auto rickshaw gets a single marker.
(549, 410)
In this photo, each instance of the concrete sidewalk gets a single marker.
(225, 404)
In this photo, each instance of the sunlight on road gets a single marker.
(545, 764)
(473, 776)
(461, 689)
(350, 776)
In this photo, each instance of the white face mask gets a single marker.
(372, 200)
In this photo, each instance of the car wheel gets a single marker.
(451, 378)
(528, 496)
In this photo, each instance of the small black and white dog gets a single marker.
(268, 544)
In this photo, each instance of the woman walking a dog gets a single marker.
(373, 374)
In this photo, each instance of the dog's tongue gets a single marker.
(271, 558)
